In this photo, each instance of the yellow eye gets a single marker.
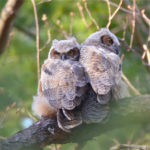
(106, 39)
(73, 52)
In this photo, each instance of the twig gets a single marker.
(121, 8)
(146, 53)
(37, 39)
(116, 29)
(114, 13)
(125, 44)
(109, 13)
(82, 15)
(30, 115)
(125, 146)
(58, 23)
(138, 36)
(48, 41)
(148, 38)
(57, 146)
(43, 1)
(7, 110)
(122, 58)
(147, 20)
(125, 29)
(130, 85)
(60, 30)
(89, 13)
(133, 24)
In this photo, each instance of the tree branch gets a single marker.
(38, 135)
(37, 39)
(7, 17)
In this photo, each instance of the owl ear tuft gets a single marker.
(74, 40)
(104, 30)
(54, 42)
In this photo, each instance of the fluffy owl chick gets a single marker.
(63, 81)
(99, 56)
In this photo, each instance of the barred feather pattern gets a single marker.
(102, 68)
(63, 83)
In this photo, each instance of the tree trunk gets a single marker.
(7, 17)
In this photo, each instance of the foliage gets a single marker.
(18, 74)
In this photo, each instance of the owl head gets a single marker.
(104, 39)
(65, 50)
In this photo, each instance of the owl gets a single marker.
(99, 55)
(63, 83)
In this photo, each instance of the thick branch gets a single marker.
(8, 15)
(46, 131)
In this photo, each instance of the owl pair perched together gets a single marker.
(78, 81)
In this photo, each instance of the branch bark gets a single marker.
(46, 131)
(8, 15)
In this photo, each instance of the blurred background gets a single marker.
(59, 19)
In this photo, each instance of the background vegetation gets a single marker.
(18, 66)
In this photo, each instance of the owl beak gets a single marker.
(117, 50)
(63, 57)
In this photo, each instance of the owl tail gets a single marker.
(68, 119)
(42, 108)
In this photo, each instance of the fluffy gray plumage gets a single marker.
(62, 83)
(101, 62)
(79, 89)
(95, 39)
(63, 46)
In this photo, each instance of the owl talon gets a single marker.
(66, 124)
(60, 117)
(67, 114)
(51, 130)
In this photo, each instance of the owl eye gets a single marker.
(107, 40)
(73, 52)
(54, 53)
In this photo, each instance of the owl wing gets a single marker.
(100, 69)
(60, 81)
